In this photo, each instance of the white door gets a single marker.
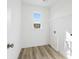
(68, 45)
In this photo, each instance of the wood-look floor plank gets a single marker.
(40, 52)
(43, 53)
(21, 52)
(39, 55)
(34, 53)
(49, 52)
(31, 53)
(24, 55)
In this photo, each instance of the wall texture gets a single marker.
(61, 22)
(13, 27)
(30, 35)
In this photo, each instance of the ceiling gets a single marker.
(43, 3)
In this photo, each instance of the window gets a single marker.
(36, 16)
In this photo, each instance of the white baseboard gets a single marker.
(34, 45)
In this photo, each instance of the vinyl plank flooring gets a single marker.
(40, 52)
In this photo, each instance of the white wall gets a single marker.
(61, 21)
(30, 36)
(13, 27)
